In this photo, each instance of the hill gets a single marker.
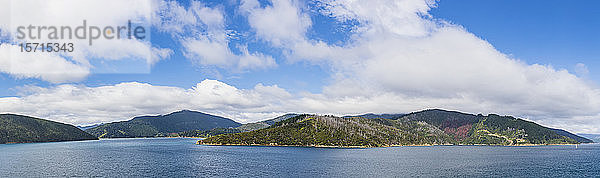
(88, 127)
(311, 130)
(24, 129)
(264, 124)
(593, 137)
(381, 116)
(429, 127)
(163, 125)
(577, 138)
(205, 133)
(243, 128)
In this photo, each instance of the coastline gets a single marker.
(416, 145)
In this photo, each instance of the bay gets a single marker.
(181, 157)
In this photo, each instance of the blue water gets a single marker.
(180, 157)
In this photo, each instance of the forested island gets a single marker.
(429, 127)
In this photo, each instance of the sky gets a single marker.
(251, 60)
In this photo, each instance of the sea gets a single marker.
(181, 157)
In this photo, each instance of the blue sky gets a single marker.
(252, 60)
(555, 32)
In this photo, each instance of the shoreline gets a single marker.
(387, 146)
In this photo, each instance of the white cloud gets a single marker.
(72, 13)
(78, 104)
(48, 67)
(581, 70)
(202, 33)
(401, 59)
(283, 22)
(401, 17)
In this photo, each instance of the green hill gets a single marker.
(429, 127)
(24, 129)
(310, 130)
(163, 125)
(264, 124)
(507, 130)
(593, 137)
(205, 133)
(381, 116)
(577, 138)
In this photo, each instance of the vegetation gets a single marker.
(310, 130)
(264, 124)
(429, 127)
(205, 133)
(164, 125)
(593, 137)
(24, 129)
(88, 127)
(507, 130)
(577, 138)
(379, 116)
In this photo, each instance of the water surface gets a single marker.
(176, 157)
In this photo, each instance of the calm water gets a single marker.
(181, 157)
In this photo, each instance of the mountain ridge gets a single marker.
(25, 129)
(162, 125)
(427, 127)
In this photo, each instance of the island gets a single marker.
(428, 127)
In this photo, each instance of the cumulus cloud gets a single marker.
(48, 67)
(73, 13)
(402, 59)
(202, 32)
(283, 22)
(79, 104)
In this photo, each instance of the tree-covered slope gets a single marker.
(507, 130)
(24, 129)
(577, 138)
(453, 123)
(379, 116)
(152, 126)
(429, 127)
(205, 133)
(311, 130)
(264, 124)
(593, 137)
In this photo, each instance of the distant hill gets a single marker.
(593, 137)
(88, 127)
(264, 124)
(24, 129)
(573, 136)
(163, 125)
(311, 130)
(243, 128)
(429, 127)
(381, 116)
(205, 133)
